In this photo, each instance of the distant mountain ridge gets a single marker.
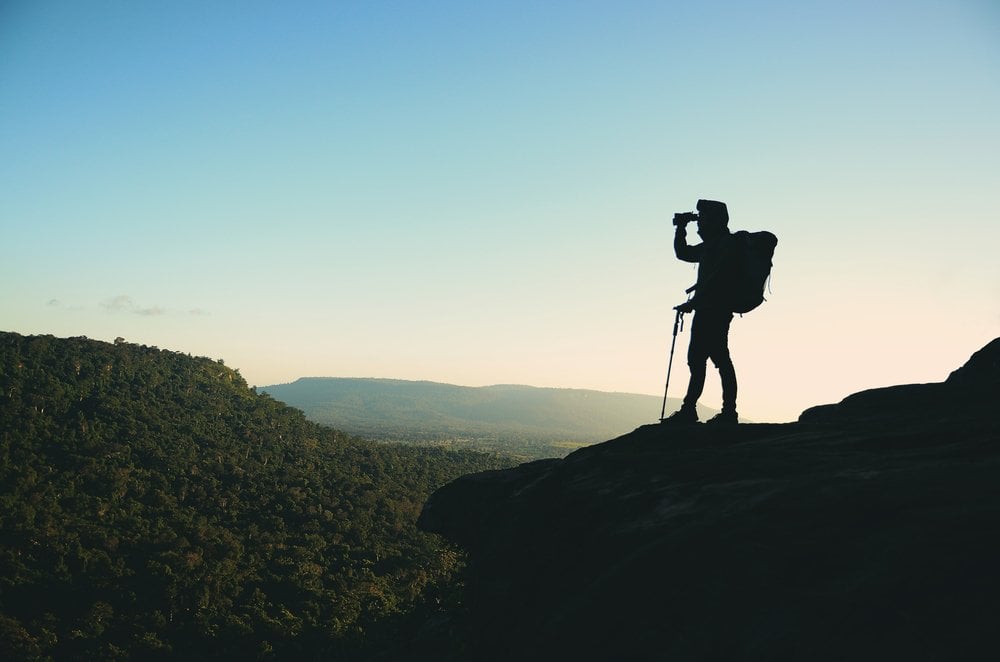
(506, 414)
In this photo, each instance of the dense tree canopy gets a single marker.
(152, 504)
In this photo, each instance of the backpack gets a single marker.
(751, 265)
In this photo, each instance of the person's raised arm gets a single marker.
(684, 251)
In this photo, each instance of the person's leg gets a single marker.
(697, 358)
(719, 354)
(695, 385)
(727, 373)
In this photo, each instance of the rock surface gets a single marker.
(869, 529)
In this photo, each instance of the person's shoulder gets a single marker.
(734, 238)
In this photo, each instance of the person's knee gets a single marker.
(723, 362)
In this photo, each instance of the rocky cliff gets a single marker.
(869, 529)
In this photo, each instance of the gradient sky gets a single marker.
(481, 192)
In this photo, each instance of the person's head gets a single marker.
(713, 218)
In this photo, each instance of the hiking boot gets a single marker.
(681, 416)
(724, 418)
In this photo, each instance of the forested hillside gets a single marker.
(151, 504)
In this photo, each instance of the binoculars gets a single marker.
(682, 218)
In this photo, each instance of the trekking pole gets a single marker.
(678, 321)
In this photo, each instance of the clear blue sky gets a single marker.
(481, 192)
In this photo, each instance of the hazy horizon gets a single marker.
(481, 194)
(428, 381)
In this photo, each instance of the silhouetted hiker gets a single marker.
(711, 306)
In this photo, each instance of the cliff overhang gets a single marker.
(869, 529)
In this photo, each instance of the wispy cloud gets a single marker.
(125, 304)
(60, 305)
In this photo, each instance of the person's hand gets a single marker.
(685, 307)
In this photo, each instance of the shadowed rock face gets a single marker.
(869, 529)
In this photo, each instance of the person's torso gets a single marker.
(712, 270)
